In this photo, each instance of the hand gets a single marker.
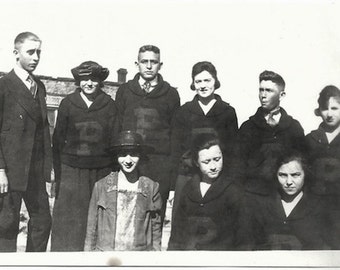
(3, 181)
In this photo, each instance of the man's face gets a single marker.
(210, 162)
(291, 177)
(204, 84)
(128, 161)
(331, 114)
(148, 65)
(28, 55)
(270, 95)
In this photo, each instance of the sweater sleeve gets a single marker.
(59, 137)
(2, 97)
(177, 139)
(119, 100)
(92, 220)
(156, 219)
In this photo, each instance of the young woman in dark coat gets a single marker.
(324, 154)
(292, 218)
(210, 203)
(87, 124)
(206, 113)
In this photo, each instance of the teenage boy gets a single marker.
(146, 104)
(267, 133)
(25, 155)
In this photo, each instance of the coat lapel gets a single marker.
(19, 90)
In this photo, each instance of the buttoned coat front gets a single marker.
(210, 222)
(18, 121)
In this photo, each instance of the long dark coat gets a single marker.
(18, 121)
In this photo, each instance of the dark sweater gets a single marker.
(325, 160)
(269, 229)
(211, 222)
(190, 120)
(82, 134)
(149, 114)
(262, 144)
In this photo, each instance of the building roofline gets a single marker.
(64, 79)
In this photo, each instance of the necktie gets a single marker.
(147, 86)
(33, 88)
(271, 121)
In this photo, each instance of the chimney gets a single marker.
(122, 75)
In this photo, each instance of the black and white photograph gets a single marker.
(173, 133)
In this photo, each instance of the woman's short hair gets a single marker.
(203, 141)
(326, 93)
(294, 155)
(204, 66)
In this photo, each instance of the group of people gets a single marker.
(264, 185)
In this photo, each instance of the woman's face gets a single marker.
(89, 85)
(210, 162)
(204, 84)
(291, 177)
(331, 114)
(128, 161)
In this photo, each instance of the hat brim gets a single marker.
(115, 149)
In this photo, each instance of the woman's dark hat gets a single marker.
(90, 69)
(130, 140)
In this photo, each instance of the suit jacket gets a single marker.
(19, 116)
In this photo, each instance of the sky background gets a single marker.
(298, 39)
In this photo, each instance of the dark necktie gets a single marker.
(271, 121)
(147, 86)
(33, 88)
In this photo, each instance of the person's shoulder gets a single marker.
(147, 182)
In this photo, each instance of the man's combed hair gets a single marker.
(148, 48)
(272, 76)
(24, 36)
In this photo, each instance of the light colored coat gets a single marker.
(102, 216)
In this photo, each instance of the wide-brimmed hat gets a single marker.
(90, 69)
(130, 140)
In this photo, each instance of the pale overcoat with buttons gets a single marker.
(18, 123)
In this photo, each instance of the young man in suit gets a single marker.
(25, 155)
(146, 104)
(267, 133)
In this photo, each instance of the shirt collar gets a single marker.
(21, 73)
(153, 82)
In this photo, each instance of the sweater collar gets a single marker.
(218, 108)
(319, 135)
(259, 119)
(99, 102)
(216, 189)
(160, 89)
